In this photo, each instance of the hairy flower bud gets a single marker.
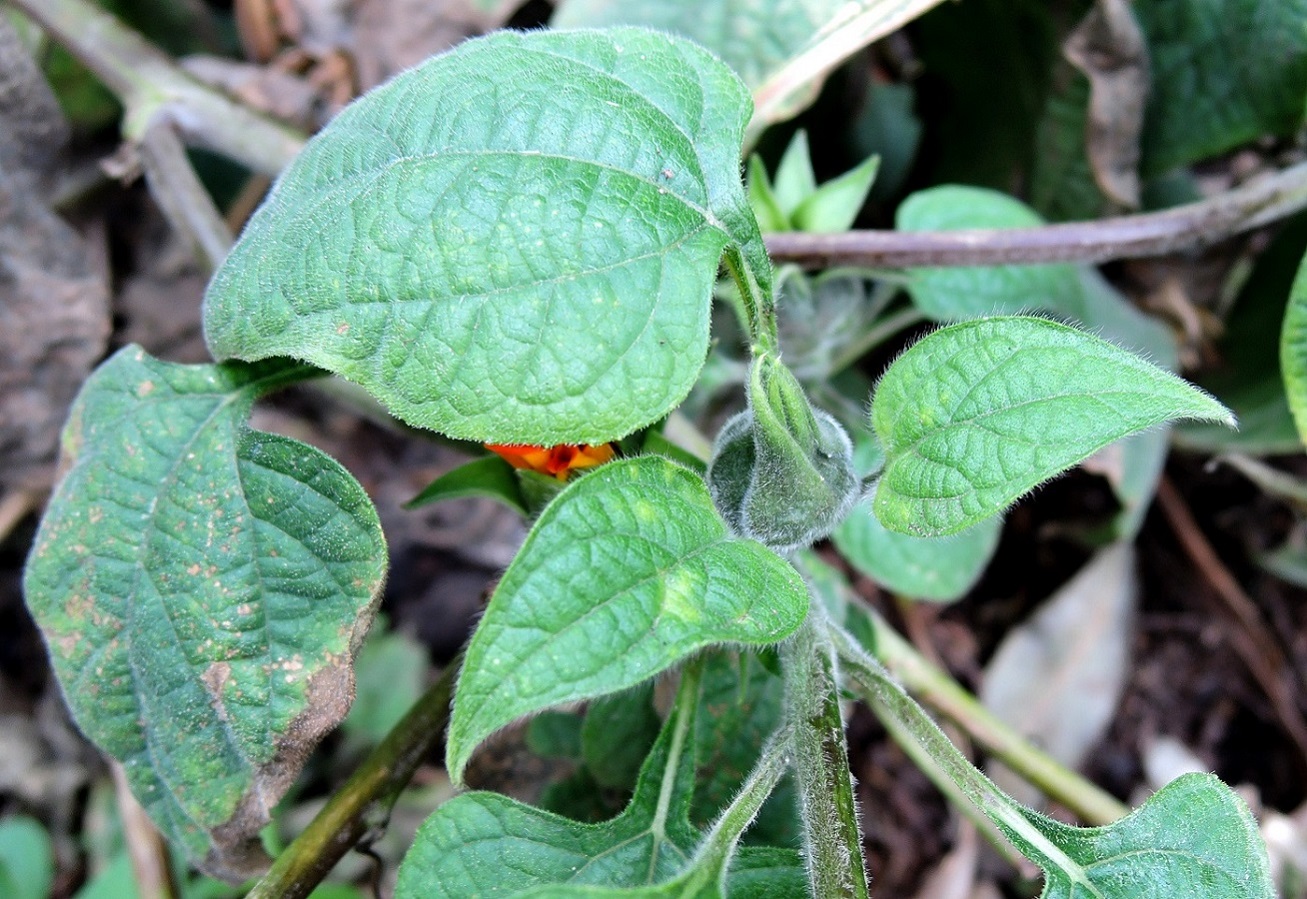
(782, 472)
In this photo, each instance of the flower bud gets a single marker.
(782, 472)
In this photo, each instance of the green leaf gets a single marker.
(555, 735)
(481, 844)
(940, 569)
(753, 39)
(795, 179)
(514, 242)
(490, 477)
(26, 859)
(203, 588)
(1246, 377)
(741, 707)
(1193, 839)
(617, 733)
(833, 206)
(762, 198)
(948, 294)
(1224, 72)
(390, 675)
(1293, 351)
(628, 571)
(976, 414)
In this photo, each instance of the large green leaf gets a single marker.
(203, 588)
(628, 571)
(514, 242)
(1224, 72)
(976, 414)
(1293, 351)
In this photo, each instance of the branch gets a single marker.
(935, 688)
(153, 88)
(363, 804)
(1187, 227)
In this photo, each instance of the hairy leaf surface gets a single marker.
(515, 242)
(630, 570)
(203, 588)
(976, 414)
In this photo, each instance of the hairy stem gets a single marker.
(833, 840)
(1091, 803)
(1187, 227)
(362, 806)
(152, 87)
(718, 846)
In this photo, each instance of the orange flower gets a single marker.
(558, 461)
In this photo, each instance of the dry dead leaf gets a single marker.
(1058, 676)
(54, 299)
(392, 35)
(1108, 47)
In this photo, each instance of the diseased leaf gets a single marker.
(939, 569)
(203, 589)
(628, 571)
(1072, 654)
(1293, 351)
(1224, 73)
(976, 414)
(515, 242)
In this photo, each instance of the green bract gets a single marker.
(782, 471)
(515, 242)
(203, 589)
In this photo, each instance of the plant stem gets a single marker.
(759, 310)
(939, 776)
(874, 336)
(152, 87)
(719, 844)
(362, 806)
(179, 193)
(1187, 227)
(832, 838)
(1091, 803)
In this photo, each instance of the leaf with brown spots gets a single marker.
(203, 588)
